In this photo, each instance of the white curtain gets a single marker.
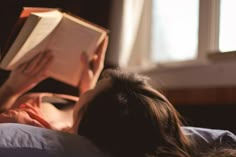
(130, 32)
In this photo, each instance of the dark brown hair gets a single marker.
(132, 119)
(220, 152)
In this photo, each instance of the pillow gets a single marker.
(21, 140)
(205, 138)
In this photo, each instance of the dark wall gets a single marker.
(95, 11)
(213, 107)
(92, 10)
(209, 116)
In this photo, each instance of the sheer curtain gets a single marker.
(130, 33)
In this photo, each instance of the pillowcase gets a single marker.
(21, 140)
(205, 138)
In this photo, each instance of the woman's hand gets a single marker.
(92, 69)
(24, 78)
(29, 74)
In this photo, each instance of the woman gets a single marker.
(123, 115)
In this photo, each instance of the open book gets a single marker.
(65, 35)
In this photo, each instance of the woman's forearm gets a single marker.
(7, 97)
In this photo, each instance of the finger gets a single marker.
(101, 51)
(43, 59)
(21, 67)
(33, 63)
(102, 45)
(45, 63)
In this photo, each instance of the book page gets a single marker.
(38, 37)
(24, 14)
(22, 36)
(67, 43)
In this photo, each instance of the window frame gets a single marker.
(208, 39)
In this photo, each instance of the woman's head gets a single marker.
(125, 116)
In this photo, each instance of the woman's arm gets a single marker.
(7, 97)
(24, 78)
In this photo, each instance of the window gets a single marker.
(186, 30)
(175, 30)
(227, 36)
